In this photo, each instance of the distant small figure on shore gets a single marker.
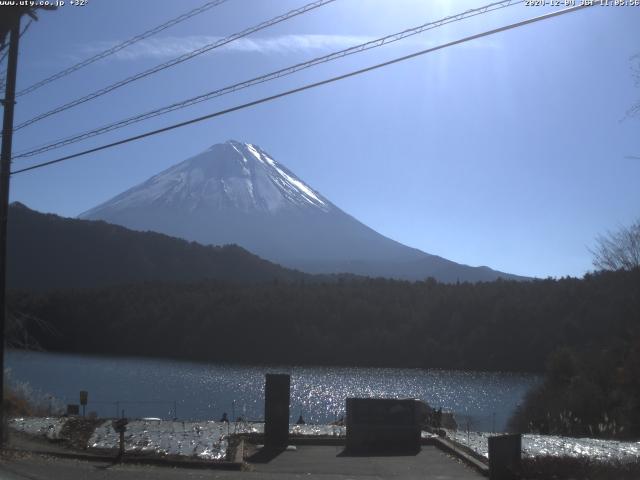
(300, 420)
(224, 418)
(438, 418)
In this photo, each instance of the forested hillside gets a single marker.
(500, 325)
(47, 251)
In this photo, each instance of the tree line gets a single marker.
(502, 325)
(585, 332)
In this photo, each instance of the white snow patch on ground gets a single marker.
(205, 440)
(209, 439)
(49, 427)
(552, 445)
(328, 430)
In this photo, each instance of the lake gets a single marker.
(199, 391)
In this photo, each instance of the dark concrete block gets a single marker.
(383, 425)
(505, 455)
(276, 410)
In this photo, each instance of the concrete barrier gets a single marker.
(505, 456)
(276, 410)
(382, 425)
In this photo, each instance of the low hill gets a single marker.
(47, 251)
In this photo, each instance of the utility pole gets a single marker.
(10, 24)
(5, 170)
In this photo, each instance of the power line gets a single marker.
(6, 52)
(4, 55)
(120, 46)
(3, 75)
(307, 87)
(177, 60)
(268, 77)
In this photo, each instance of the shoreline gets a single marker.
(239, 363)
(209, 440)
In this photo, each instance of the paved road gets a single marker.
(305, 462)
(328, 462)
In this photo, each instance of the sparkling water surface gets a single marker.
(204, 391)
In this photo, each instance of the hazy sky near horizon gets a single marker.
(511, 151)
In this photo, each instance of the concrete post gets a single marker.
(276, 410)
(505, 454)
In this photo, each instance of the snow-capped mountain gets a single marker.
(237, 193)
(231, 175)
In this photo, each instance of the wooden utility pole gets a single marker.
(5, 171)
(9, 25)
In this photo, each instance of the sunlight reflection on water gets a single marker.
(149, 388)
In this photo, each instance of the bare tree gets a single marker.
(635, 71)
(634, 111)
(18, 331)
(618, 250)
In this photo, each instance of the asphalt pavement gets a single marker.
(308, 462)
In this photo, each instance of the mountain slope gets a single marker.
(236, 193)
(46, 251)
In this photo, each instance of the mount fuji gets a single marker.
(236, 193)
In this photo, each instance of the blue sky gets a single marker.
(512, 151)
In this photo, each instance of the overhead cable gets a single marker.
(3, 74)
(175, 61)
(265, 78)
(120, 46)
(306, 87)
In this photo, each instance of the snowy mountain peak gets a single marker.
(236, 193)
(231, 175)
